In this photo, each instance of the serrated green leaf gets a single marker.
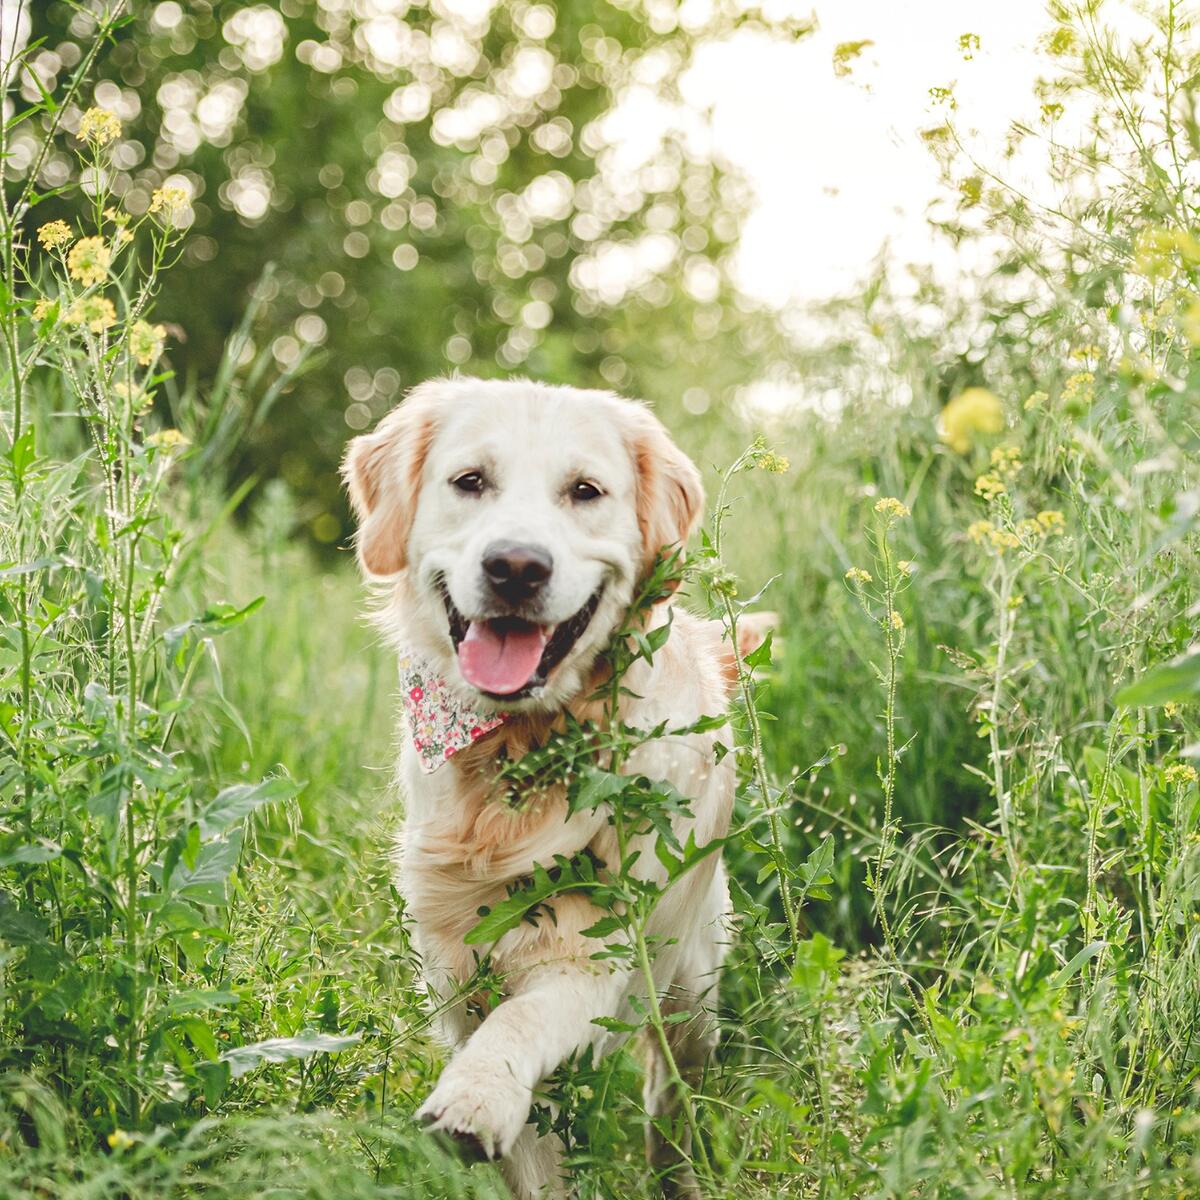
(760, 656)
(566, 876)
(595, 786)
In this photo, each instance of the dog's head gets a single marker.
(519, 518)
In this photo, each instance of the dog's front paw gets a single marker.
(482, 1109)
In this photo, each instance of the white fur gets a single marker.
(460, 849)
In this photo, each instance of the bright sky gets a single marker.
(837, 163)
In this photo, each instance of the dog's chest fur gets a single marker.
(466, 842)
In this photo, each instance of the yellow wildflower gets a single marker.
(971, 190)
(116, 216)
(42, 309)
(146, 341)
(1189, 322)
(96, 312)
(1170, 709)
(54, 234)
(1161, 318)
(1152, 253)
(1137, 367)
(895, 620)
(119, 1140)
(167, 439)
(889, 506)
(169, 201)
(905, 567)
(1180, 774)
(1015, 601)
(139, 400)
(1007, 461)
(1061, 41)
(1051, 520)
(774, 463)
(1187, 245)
(989, 487)
(975, 410)
(858, 575)
(99, 126)
(844, 53)
(980, 531)
(1079, 389)
(1004, 539)
(1035, 400)
(122, 237)
(1029, 528)
(88, 260)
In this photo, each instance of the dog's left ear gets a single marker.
(382, 472)
(670, 496)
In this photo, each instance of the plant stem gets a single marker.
(1003, 800)
(887, 837)
(746, 688)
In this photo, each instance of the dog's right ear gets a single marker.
(382, 472)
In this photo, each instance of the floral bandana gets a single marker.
(439, 724)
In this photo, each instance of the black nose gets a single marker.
(516, 573)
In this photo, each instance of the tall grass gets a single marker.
(968, 957)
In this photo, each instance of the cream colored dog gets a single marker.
(510, 523)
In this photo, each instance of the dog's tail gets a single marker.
(752, 630)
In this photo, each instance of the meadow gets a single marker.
(967, 867)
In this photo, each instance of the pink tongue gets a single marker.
(501, 661)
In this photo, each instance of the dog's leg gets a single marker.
(668, 1135)
(485, 1093)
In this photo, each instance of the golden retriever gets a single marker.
(509, 524)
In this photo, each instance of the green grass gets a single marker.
(982, 762)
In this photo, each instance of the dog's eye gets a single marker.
(471, 482)
(584, 491)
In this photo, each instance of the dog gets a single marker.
(508, 525)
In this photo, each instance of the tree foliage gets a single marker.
(501, 188)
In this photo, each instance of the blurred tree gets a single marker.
(443, 185)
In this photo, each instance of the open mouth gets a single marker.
(509, 658)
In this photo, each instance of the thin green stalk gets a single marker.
(893, 626)
(995, 752)
(682, 1088)
(891, 642)
(10, 326)
(1095, 817)
(107, 25)
(746, 689)
(637, 926)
